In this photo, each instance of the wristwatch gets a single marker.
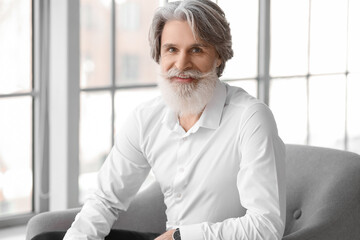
(176, 235)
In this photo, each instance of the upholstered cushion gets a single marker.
(146, 213)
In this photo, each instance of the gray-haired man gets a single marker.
(213, 148)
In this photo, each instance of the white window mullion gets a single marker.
(264, 51)
(41, 124)
(64, 104)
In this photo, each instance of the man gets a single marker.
(213, 148)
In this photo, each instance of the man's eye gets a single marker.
(171, 50)
(196, 50)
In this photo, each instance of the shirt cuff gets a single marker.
(191, 232)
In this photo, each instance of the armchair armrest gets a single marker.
(145, 214)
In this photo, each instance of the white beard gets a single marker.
(188, 98)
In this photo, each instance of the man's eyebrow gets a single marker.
(200, 45)
(167, 45)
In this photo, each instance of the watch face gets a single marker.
(176, 235)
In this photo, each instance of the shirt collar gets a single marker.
(211, 116)
(170, 118)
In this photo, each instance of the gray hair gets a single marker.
(207, 21)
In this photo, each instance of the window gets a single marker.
(314, 70)
(242, 69)
(117, 74)
(17, 96)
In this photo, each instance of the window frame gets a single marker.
(39, 133)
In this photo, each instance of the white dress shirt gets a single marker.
(231, 158)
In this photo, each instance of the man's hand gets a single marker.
(166, 236)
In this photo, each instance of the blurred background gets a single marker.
(301, 57)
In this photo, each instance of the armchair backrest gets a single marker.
(323, 194)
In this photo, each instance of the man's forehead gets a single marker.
(178, 32)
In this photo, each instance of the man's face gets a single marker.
(188, 68)
(180, 50)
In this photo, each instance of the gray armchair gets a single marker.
(323, 200)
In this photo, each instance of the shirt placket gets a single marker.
(180, 180)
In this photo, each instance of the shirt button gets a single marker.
(184, 139)
(178, 195)
(181, 170)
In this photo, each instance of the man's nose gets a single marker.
(183, 61)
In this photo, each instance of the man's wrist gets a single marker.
(176, 234)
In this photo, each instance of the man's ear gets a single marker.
(218, 62)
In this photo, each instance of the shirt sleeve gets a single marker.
(119, 179)
(260, 182)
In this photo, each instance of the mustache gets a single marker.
(174, 72)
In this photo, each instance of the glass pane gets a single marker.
(95, 137)
(95, 43)
(289, 37)
(328, 36)
(353, 117)
(243, 18)
(15, 46)
(288, 101)
(133, 62)
(327, 111)
(15, 155)
(250, 86)
(127, 100)
(354, 36)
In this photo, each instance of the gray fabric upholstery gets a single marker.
(145, 214)
(323, 188)
(323, 200)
